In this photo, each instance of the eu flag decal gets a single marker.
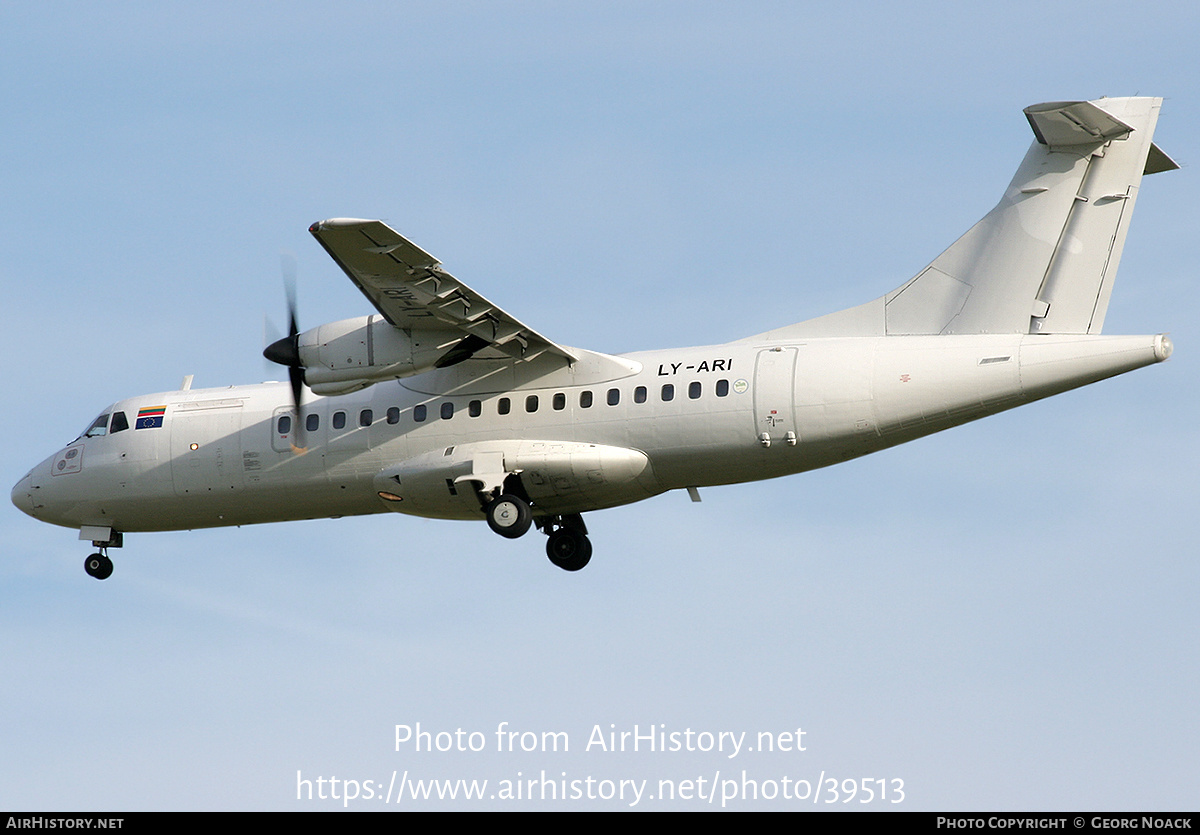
(150, 417)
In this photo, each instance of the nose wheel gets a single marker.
(98, 565)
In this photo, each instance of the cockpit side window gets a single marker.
(119, 423)
(99, 427)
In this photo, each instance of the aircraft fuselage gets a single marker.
(441, 404)
(681, 418)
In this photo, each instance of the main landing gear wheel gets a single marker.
(569, 549)
(98, 566)
(509, 515)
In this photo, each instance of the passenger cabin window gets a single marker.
(475, 408)
(339, 420)
(722, 388)
(119, 423)
(285, 424)
(531, 403)
(365, 417)
(668, 393)
(312, 423)
(639, 394)
(447, 411)
(503, 406)
(419, 413)
(694, 390)
(585, 400)
(393, 414)
(99, 427)
(614, 397)
(560, 402)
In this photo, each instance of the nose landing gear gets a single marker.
(98, 565)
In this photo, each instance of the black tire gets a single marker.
(569, 549)
(98, 566)
(509, 516)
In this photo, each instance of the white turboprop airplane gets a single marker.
(443, 405)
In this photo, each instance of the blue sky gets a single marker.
(1003, 616)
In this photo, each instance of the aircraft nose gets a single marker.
(22, 494)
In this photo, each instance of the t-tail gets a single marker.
(1044, 260)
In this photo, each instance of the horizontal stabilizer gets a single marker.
(1157, 161)
(1066, 123)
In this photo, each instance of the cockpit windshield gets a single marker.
(99, 427)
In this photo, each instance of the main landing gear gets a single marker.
(509, 515)
(567, 544)
(98, 565)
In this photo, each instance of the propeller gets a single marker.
(286, 351)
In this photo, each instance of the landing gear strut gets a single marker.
(567, 544)
(98, 565)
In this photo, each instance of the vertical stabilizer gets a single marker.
(1044, 259)
(1074, 293)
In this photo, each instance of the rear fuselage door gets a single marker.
(774, 396)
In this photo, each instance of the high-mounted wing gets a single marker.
(411, 290)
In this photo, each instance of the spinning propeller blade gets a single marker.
(286, 351)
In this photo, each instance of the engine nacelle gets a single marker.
(345, 356)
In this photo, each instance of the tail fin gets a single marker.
(1043, 260)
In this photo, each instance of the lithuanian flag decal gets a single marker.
(150, 417)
